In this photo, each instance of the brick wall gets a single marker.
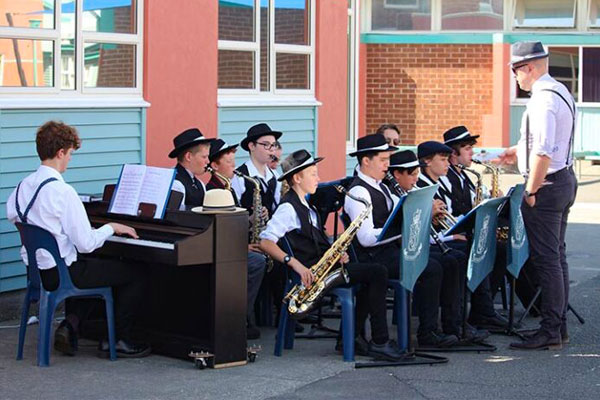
(116, 63)
(426, 89)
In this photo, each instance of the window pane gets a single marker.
(67, 45)
(116, 16)
(109, 65)
(591, 74)
(401, 15)
(236, 69)
(292, 71)
(27, 14)
(545, 13)
(564, 67)
(475, 15)
(595, 13)
(236, 20)
(292, 22)
(264, 46)
(26, 63)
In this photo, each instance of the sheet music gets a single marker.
(156, 188)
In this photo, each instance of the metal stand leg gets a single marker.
(531, 304)
(576, 314)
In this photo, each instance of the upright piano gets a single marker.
(196, 266)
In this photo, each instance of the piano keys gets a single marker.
(196, 266)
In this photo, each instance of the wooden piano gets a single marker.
(197, 265)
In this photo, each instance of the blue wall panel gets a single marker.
(110, 138)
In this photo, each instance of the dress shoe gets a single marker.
(474, 335)
(493, 322)
(252, 332)
(361, 347)
(65, 339)
(539, 341)
(387, 351)
(434, 339)
(564, 338)
(124, 349)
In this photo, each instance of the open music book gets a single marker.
(142, 184)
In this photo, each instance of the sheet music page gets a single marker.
(126, 197)
(156, 188)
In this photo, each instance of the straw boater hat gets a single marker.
(218, 201)
(370, 144)
(458, 134)
(258, 131)
(404, 160)
(296, 162)
(186, 139)
(218, 147)
(527, 51)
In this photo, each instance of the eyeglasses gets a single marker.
(393, 142)
(269, 146)
(514, 69)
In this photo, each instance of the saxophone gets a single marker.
(226, 181)
(301, 299)
(258, 222)
(479, 186)
(502, 232)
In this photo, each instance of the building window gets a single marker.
(544, 13)
(76, 46)
(591, 75)
(473, 15)
(594, 14)
(266, 46)
(389, 15)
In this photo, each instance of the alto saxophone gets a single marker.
(502, 231)
(226, 180)
(479, 186)
(301, 299)
(259, 223)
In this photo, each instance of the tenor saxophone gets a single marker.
(502, 231)
(301, 299)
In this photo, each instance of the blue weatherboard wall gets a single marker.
(298, 124)
(110, 138)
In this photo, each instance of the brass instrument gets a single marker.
(502, 231)
(301, 299)
(226, 181)
(401, 192)
(479, 186)
(284, 188)
(259, 223)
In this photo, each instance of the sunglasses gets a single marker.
(514, 69)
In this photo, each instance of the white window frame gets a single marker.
(414, 6)
(588, 18)
(355, 73)
(81, 37)
(243, 95)
(576, 19)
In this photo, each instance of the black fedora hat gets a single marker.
(257, 131)
(217, 147)
(527, 51)
(430, 148)
(458, 134)
(296, 162)
(404, 160)
(372, 143)
(188, 138)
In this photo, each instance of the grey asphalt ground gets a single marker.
(312, 370)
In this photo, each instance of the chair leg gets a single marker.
(401, 314)
(45, 328)
(281, 329)
(23, 326)
(290, 331)
(110, 319)
(348, 326)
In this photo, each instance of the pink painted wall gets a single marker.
(331, 86)
(180, 72)
(496, 126)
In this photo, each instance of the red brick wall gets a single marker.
(116, 65)
(426, 89)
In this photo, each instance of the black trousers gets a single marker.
(453, 263)
(370, 300)
(126, 279)
(546, 226)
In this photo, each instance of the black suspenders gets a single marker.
(23, 216)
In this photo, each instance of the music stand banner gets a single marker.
(518, 245)
(483, 250)
(416, 224)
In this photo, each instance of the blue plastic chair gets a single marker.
(286, 328)
(34, 238)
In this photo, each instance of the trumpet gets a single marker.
(226, 181)
(446, 220)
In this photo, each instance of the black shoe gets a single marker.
(386, 351)
(65, 339)
(361, 347)
(493, 322)
(539, 341)
(434, 339)
(473, 335)
(252, 332)
(564, 337)
(124, 349)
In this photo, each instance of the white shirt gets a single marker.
(285, 220)
(367, 234)
(443, 182)
(59, 210)
(550, 124)
(238, 184)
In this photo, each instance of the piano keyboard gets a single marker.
(141, 242)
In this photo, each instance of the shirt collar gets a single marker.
(540, 82)
(371, 181)
(49, 172)
(253, 172)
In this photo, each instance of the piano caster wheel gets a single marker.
(251, 357)
(202, 359)
(253, 352)
(200, 363)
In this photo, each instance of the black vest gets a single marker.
(308, 243)
(461, 198)
(194, 192)
(268, 196)
(215, 183)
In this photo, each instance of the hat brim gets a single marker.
(462, 139)
(299, 168)
(419, 164)
(223, 150)
(202, 210)
(372, 150)
(248, 139)
(526, 59)
(175, 152)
